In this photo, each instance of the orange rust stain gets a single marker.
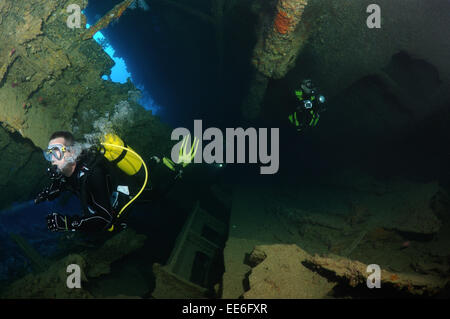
(394, 277)
(282, 22)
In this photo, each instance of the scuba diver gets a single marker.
(309, 106)
(89, 175)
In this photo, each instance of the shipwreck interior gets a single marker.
(370, 184)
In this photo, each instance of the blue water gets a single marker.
(120, 74)
(29, 221)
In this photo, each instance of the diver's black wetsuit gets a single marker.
(93, 187)
(306, 111)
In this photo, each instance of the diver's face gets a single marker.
(63, 165)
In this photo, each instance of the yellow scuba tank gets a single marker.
(126, 160)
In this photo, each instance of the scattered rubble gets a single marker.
(278, 272)
(355, 273)
(51, 282)
(287, 271)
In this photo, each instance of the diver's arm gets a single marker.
(52, 191)
(49, 193)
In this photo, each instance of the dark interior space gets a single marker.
(369, 183)
(174, 56)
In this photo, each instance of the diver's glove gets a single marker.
(184, 158)
(49, 193)
(57, 222)
(54, 190)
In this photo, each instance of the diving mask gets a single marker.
(55, 150)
